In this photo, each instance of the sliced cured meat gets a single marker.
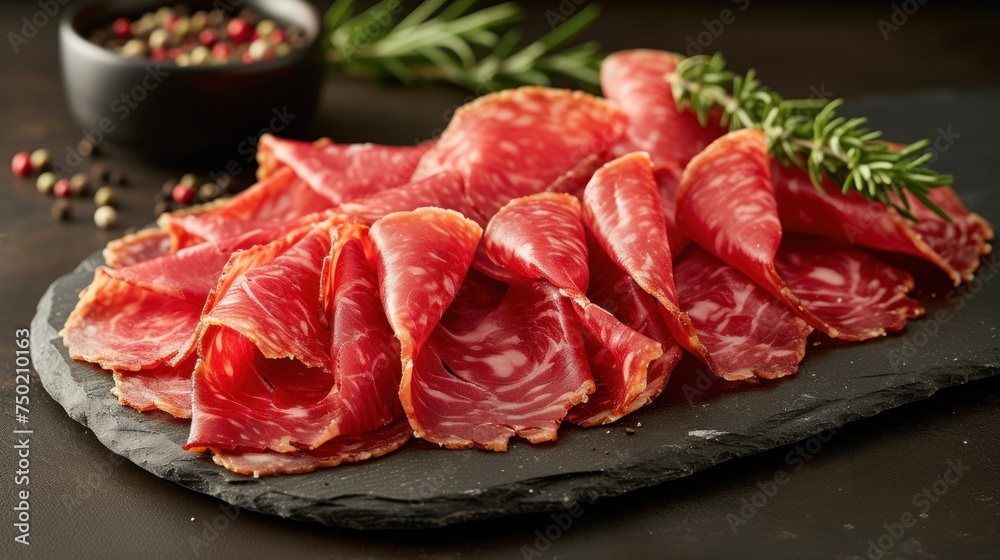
(137, 247)
(422, 258)
(444, 190)
(542, 236)
(344, 172)
(857, 292)
(623, 210)
(102, 328)
(576, 179)
(668, 179)
(278, 199)
(164, 387)
(514, 369)
(726, 204)
(282, 381)
(518, 142)
(953, 247)
(747, 331)
(341, 449)
(612, 289)
(637, 81)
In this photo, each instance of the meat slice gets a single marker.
(137, 247)
(422, 258)
(278, 199)
(443, 190)
(637, 81)
(747, 331)
(489, 373)
(341, 449)
(344, 172)
(857, 292)
(518, 142)
(623, 210)
(542, 236)
(726, 204)
(281, 381)
(612, 289)
(953, 247)
(165, 387)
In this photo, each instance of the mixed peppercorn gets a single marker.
(204, 37)
(175, 194)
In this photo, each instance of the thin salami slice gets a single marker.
(344, 172)
(748, 331)
(422, 258)
(542, 236)
(849, 288)
(518, 142)
(488, 374)
(444, 190)
(953, 247)
(341, 449)
(282, 381)
(612, 289)
(164, 387)
(637, 81)
(137, 247)
(726, 204)
(623, 210)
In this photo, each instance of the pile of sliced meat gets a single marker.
(548, 259)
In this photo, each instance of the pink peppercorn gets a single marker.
(222, 50)
(62, 188)
(20, 164)
(122, 28)
(277, 36)
(158, 54)
(239, 30)
(183, 194)
(207, 37)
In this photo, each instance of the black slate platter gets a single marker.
(697, 423)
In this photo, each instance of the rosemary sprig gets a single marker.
(444, 41)
(809, 133)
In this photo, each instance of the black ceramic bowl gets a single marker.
(167, 112)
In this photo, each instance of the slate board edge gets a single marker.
(370, 512)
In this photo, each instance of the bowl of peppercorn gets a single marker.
(193, 81)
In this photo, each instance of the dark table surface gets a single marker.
(88, 503)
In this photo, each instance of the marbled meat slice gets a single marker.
(857, 292)
(345, 172)
(637, 81)
(748, 331)
(542, 237)
(954, 247)
(726, 204)
(518, 142)
(489, 373)
(165, 387)
(443, 190)
(341, 449)
(623, 210)
(612, 289)
(137, 247)
(422, 257)
(276, 200)
(281, 381)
